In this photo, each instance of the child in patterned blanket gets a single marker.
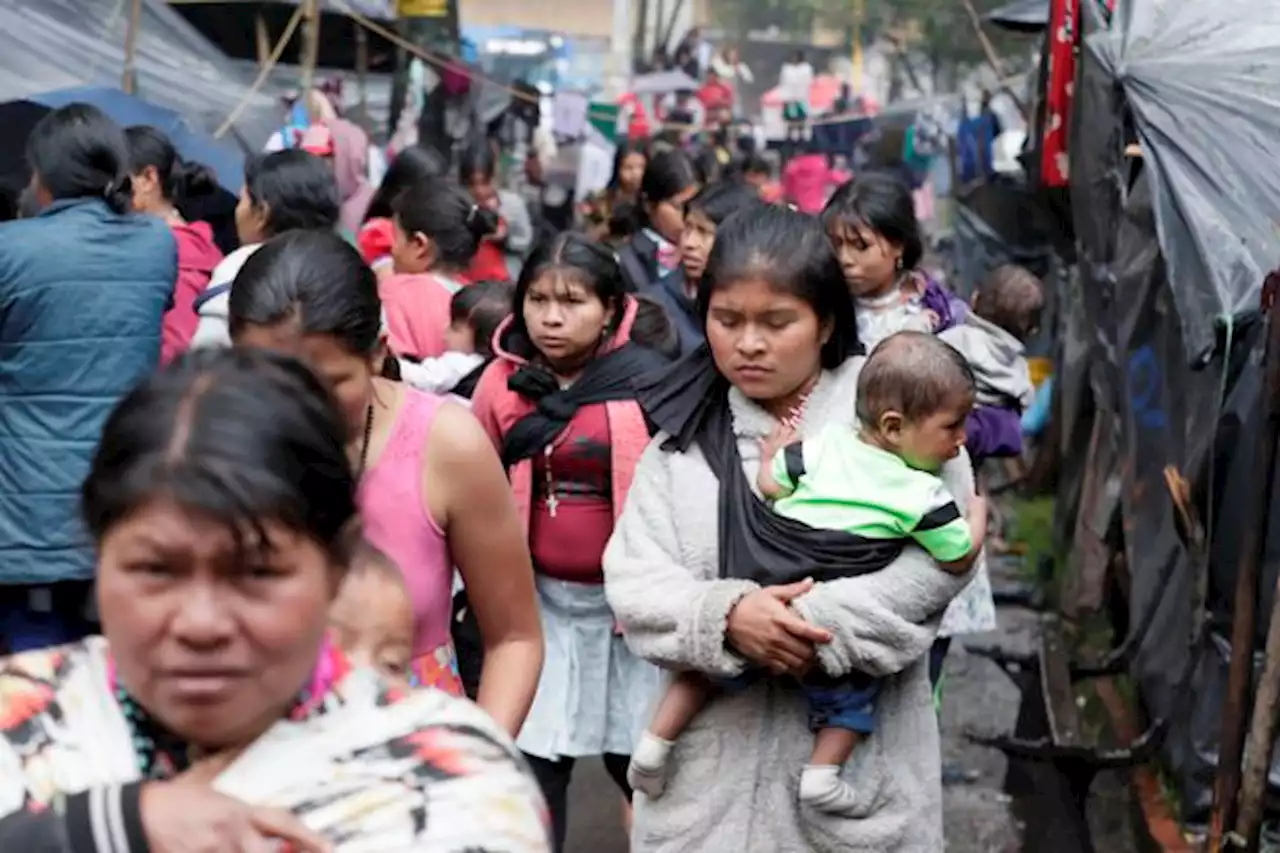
(372, 617)
(877, 481)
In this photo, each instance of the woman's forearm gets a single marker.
(509, 679)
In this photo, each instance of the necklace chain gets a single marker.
(364, 444)
(791, 420)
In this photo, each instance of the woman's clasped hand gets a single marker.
(763, 627)
(185, 815)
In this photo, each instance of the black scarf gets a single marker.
(607, 378)
(466, 386)
(690, 401)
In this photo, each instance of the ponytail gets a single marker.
(118, 194)
(78, 152)
(180, 180)
(446, 215)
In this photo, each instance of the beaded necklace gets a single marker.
(161, 754)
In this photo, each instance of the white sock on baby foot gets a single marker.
(647, 770)
(822, 788)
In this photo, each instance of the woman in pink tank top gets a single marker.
(433, 493)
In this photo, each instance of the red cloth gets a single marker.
(489, 264)
(197, 256)
(375, 240)
(638, 126)
(715, 95)
(569, 545)
(805, 182)
(417, 312)
(1064, 17)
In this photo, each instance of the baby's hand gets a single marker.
(771, 446)
(769, 449)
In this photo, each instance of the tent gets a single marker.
(1159, 363)
(1021, 16)
(51, 45)
(1200, 79)
(233, 26)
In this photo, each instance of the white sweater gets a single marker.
(794, 82)
(734, 773)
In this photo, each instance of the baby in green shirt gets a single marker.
(877, 481)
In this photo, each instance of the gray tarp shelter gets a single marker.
(1200, 79)
(46, 45)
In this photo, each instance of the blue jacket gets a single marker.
(82, 293)
(681, 311)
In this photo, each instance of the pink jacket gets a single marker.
(498, 409)
(197, 257)
(416, 308)
(805, 182)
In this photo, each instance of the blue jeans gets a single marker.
(36, 617)
(834, 703)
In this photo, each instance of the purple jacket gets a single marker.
(989, 431)
(992, 432)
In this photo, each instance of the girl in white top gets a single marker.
(794, 82)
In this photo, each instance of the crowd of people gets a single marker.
(688, 487)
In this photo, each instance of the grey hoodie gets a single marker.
(998, 361)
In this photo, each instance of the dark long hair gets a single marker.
(791, 252)
(314, 279)
(882, 202)
(413, 164)
(447, 215)
(76, 151)
(625, 150)
(723, 199)
(578, 257)
(297, 188)
(242, 436)
(179, 179)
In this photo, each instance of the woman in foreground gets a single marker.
(214, 714)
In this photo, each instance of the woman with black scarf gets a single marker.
(558, 402)
(703, 576)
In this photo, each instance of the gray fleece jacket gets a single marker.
(998, 361)
(733, 775)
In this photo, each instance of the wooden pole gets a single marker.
(130, 82)
(262, 39)
(1235, 708)
(993, 58)
(859, 12)
(310, 44)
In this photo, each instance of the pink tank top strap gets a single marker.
(393, 506)
(413, 424)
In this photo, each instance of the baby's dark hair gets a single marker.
(914, 374)
(370, 561)
(653, 329)
(1012, 298)
(483, 305)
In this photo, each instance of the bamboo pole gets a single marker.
(262, 39)
(310, 44)
(993, 58)
(130, 82)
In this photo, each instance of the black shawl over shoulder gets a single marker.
(690, 401)
(607, 378)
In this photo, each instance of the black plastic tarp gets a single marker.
(48, 45)
(1021, 16)
(1159, 351)
(233, 26)
(1200, 79)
